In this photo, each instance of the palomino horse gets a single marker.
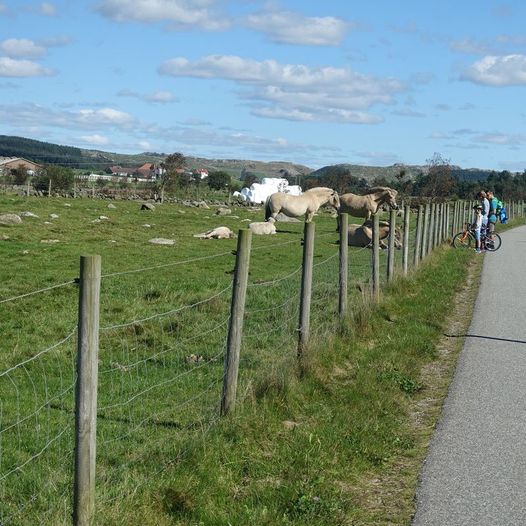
(362, 235)
(368, 204)
(297, 205)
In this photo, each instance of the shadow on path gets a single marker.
(484, 338)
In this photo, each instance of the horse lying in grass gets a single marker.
(367, 205)
(221, 232)
(362, 235)
(296, 205)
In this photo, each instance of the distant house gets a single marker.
(120, 171)
(201, 173)
(12, 163)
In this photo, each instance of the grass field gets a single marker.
(297, 451)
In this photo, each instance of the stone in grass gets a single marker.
(103, 217)
(161, 241)
(4, 237)
(147, 206)
(10, 219)
(223, 212)
(286, 219)
(50, 241)
(111, 206)
(27, 214)
(53, 216)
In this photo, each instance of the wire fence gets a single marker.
(161, 366)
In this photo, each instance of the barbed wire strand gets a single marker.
(167, 313)
(54, 346)
(38, 291)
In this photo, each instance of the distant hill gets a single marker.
(97, 160)
(389, 173)
(48, 153)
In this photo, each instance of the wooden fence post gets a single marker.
(235, 325)
(391, 245)
(376, 257)
(425, 229)
(344, 265)
(455, 219)
(86, 391)
(306, 287)
(431, 227)
(405, 243)
(418, 236)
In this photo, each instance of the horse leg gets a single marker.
(308, 216)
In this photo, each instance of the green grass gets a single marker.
(300, 448)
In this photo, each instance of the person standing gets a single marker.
(492, 216)
(477, 225)
(485, 208)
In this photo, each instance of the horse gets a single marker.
(297, 205)
(362, 235)
(367, 205)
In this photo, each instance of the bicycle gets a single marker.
(466, 239)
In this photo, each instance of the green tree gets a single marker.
(54, 177)
(218, 180)
(170, 168)
(19, 174)
(439, 182)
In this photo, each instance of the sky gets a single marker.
(314, 83)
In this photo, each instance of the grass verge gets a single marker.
(344, 445)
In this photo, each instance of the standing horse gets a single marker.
(368, 204)
(297, 205)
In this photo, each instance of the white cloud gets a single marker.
(293, 28)
(500, 139)
(25, 115)
(99, 140)
(295, 91)
(48, 9)
(22, 68)
(469, 46)
(21, 47)
(506, 70)
(159, 97)
(180, 14)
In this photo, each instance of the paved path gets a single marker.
(475, 472)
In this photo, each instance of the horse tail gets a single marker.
(268, 209)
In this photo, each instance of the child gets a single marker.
(477, 225)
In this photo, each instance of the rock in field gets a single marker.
(10, 219)
(161, 241)
(223, 212)
(147, 206)
(28, 214)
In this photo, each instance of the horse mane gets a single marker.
(376, 189)
(319, 188)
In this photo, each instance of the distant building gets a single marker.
(258, 192)
(201, 173)
(12, 163)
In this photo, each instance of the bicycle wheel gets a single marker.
(463, 240)
(493, 244)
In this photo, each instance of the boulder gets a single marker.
(161, 241)
(147, 206)
(286, 219)
(262, 228)
(223, 211)
(27, 214)
(10, 219)
(111, 206)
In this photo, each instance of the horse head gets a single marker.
(389, 198)
(334, 200)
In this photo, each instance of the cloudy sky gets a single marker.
(315, 83)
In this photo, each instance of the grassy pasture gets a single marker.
(164, 314)
(339, 445)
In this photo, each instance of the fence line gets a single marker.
(135, 370)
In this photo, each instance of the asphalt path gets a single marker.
(475, 471)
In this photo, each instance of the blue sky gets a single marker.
(315, 83)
